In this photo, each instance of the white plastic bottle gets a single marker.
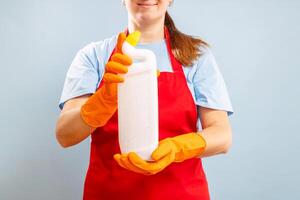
(138, 101)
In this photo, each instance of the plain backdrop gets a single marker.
(256, 44)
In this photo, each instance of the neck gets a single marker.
(149, 32)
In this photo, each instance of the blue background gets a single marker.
(256, 44)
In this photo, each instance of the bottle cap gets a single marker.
(133, 38)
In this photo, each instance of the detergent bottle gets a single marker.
(138, 101)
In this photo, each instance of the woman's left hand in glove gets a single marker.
(169, 150)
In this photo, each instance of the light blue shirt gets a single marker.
(204, 78)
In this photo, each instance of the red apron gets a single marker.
(107, 180)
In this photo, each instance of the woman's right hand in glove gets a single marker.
(101, 106)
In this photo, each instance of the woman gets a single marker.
(189, 81)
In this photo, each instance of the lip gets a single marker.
(146, 5)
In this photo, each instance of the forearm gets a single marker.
(71, 129)
(218, 140)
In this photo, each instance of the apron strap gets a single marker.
(176, 65)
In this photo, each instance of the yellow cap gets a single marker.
(133, 38)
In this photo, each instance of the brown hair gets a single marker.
(185, 48)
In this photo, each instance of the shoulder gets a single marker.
(206, 57)
(99, 50)
(202, 66)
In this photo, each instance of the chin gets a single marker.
(146, 17)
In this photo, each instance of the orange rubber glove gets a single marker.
(101, 106)
(169, 150)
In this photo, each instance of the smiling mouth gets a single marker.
(147, 4)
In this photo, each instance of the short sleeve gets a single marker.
(82, 76)
(209, 85)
